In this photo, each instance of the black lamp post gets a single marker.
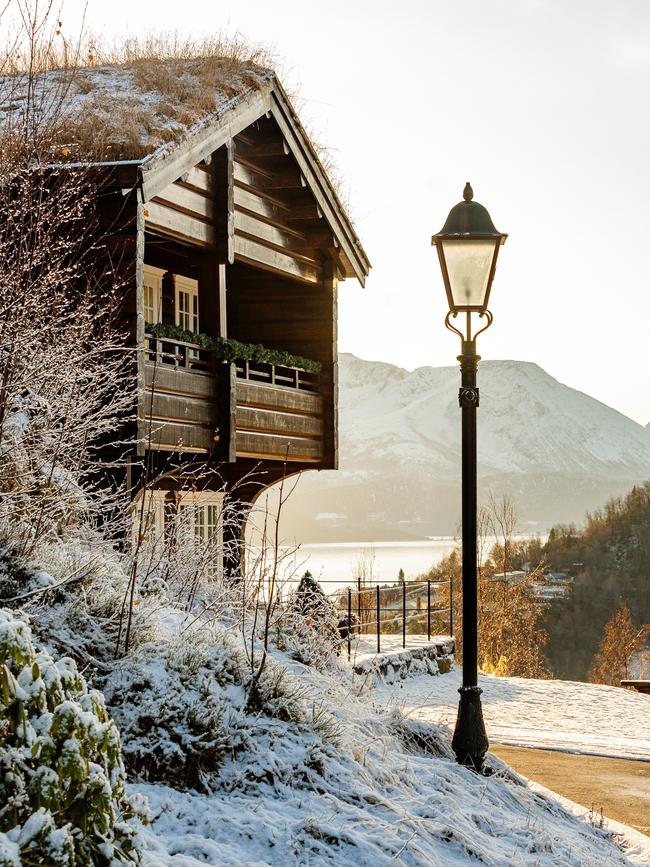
(468, 246)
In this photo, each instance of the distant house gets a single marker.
(230, 231)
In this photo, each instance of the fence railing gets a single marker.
(404, 609)
(397, 611)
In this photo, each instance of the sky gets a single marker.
(541, 104)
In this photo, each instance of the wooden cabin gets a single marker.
(234, 232)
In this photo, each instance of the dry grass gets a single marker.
(167, 84)
(126, 101)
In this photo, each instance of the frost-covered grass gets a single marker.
(385, 790)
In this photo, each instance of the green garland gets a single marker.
(233, 350)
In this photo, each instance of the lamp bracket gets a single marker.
(468, 340)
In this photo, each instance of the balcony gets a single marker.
(195, 402)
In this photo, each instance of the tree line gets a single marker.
(595, 630)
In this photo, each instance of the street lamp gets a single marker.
(468, 246)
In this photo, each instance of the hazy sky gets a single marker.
(541, 104)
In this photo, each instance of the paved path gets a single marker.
(618, 787)
(550, 714)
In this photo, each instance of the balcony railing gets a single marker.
(276, 374)
(171, 352)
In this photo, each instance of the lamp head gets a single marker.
(468, 246)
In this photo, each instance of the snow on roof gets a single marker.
(128, 111)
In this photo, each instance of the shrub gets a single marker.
(312, 634)
(61, 771)
(182, 707)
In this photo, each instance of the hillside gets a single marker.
(557, 451)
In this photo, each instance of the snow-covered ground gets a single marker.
(387, 789)
(550, 714)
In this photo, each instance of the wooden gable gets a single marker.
(251, 187)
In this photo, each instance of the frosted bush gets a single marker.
(308, 631)
(186, 708)
(61, 773)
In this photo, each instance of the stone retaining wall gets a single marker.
(396, 665)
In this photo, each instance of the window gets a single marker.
(187, 303)
(195, 522)
(152, 291)
(202, 511)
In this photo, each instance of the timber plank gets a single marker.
(163, 219)
(180, 408)
(277, 448)
(174, 380)
(273, 234)
(273, 397)
(248, 250)
(187, 201)
(268, 421)
(170, 435)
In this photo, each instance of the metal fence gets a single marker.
(410, 607)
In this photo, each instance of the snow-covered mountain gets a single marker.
(557, 451)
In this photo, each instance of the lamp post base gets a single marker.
(470, 741)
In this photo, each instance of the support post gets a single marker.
(428, 610)
(451, 605)
(404, 615)
(470, 741)
(359, 605)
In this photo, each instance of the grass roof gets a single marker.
(129, 103)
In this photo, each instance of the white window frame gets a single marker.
(153, 278)
(187, 319)
(207, 504)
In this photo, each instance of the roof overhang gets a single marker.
(170, 162)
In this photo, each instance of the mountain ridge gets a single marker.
(557, 451)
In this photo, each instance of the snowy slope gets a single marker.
(389, 793)
(529, 422)
(556, 451)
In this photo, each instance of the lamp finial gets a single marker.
(468, 192)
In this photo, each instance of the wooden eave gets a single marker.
(166, 165)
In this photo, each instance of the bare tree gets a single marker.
(621, 641)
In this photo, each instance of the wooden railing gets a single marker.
(276, 374)
(191, 356)
(177, 353)
(192, 402)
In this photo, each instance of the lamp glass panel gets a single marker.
(468, 265)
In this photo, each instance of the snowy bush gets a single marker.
(309, 630)
(184, 708)
(61, 771)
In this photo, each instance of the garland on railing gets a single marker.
(233, 350)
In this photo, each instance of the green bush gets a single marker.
(62, 779)
(233, 350)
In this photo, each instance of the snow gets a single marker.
(113, 93)
(388, 792)
(551, 714)
(529, 421)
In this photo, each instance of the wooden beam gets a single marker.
(262, 150)
(318, 182)
(254, 253)
(223, 172)
(168, 166)
(167, 221)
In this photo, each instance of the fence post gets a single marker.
(451, 605)
(378, 621)
(359, 605)
(428, 610)
(349, 623)
(404, 616)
